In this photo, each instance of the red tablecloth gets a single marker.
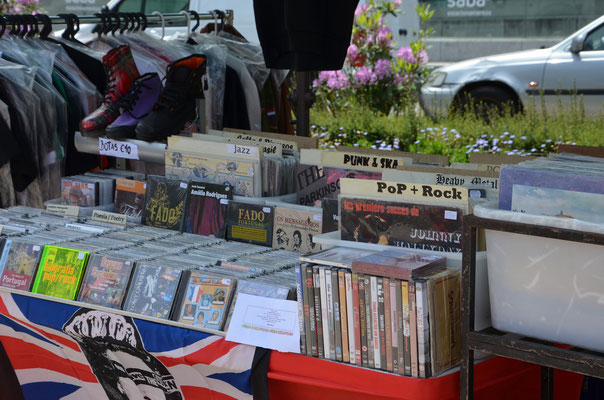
(293, 377)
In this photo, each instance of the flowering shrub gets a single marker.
(375, 74)
(19, 6)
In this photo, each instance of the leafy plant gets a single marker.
(533, 132)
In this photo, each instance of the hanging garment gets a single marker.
(45, 95)
(304, 35)
(24, 164)
(7, 192)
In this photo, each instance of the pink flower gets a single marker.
(406, 54)
(352, 53)
(325, 75)
(383, 34)
(338, 81)
(423, 56)
(335, 80)
(383, 69)
(360, 10)
(364, 76)
(398, 80)
(397, 3)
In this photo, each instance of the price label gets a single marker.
(450, 215)
(109, 217)
(66, 211)
(247, 151)
(115, 148)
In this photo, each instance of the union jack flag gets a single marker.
(61, 351)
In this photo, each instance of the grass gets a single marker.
(534, 132)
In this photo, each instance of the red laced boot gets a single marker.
(121, 72)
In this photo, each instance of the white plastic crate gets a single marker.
(545, 288)
(482, 310)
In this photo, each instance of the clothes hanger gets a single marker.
(16, 24)
(145, 22)
(118, 24)
(69, 26)
(132, 19)
(12, 20)
(126, 18)
(188, 18)
(100, 27)
(33, 24)
(163, 24)
(75, 19)
(215, 22)
(24, 26)
(222, 16)
(137, 17)
(196, 15)
(109, 25)
(47, 26)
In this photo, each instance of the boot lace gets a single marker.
(128, 102)
(172, 94)
(111, 91)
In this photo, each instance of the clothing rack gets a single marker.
(152, 19)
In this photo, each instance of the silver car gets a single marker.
(571, 70)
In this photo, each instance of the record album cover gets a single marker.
(398, 264)
(251, 223)
(153, 290)
(129, 197)
(207, 208)
(164, 203)
(76, 192)
(18, 264)
(414, 226)
(206, 300)
(330, 215)
(314, 183)
(105, 281)
(239, 174)
(60, 272)
(294, 230)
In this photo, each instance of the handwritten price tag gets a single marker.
(238, 149)
(115, 148)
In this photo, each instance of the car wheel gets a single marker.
(486, 101)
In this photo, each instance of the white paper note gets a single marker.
(116, 148)
(265, 322)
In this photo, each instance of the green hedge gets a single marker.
(532, 132)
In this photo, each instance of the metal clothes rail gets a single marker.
(152, 19)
